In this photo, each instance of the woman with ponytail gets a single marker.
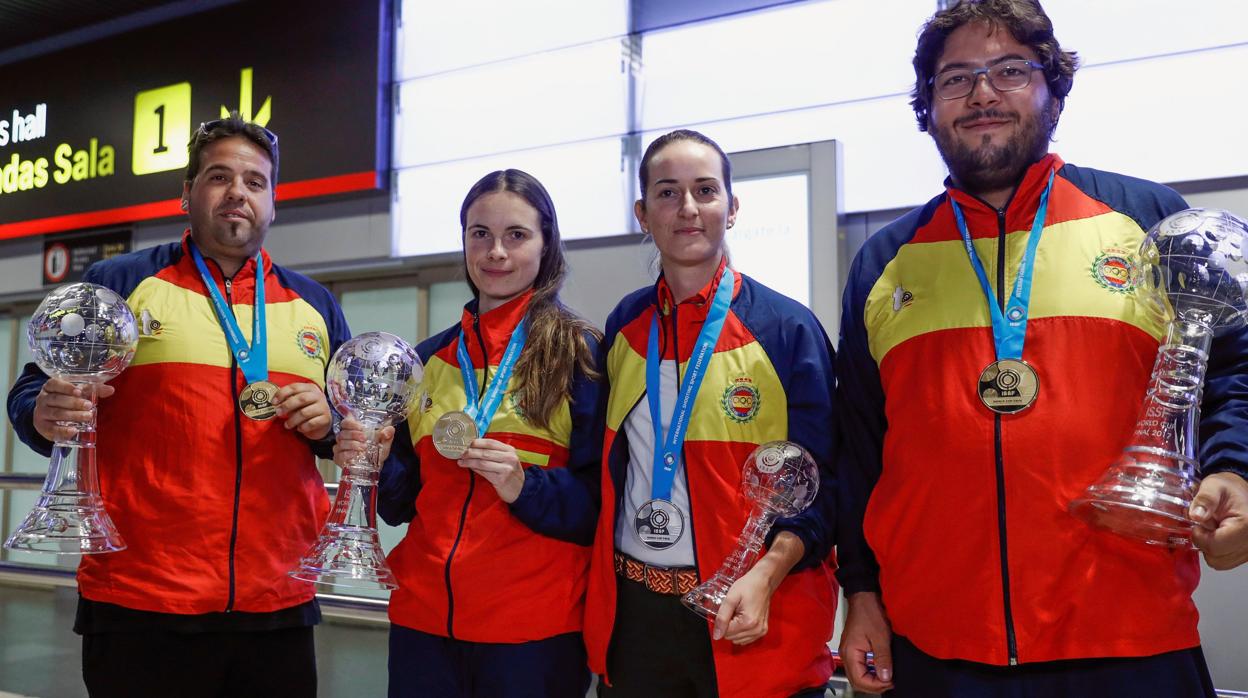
(496, 472)
(703, 367)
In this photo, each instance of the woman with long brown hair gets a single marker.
(496, 472)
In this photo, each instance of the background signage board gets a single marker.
(66, 257)
(96, 134)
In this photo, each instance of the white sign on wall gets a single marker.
(771, 238)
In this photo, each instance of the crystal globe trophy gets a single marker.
(780, 479)
(374, 378)
(84, 334)
(1195, 273)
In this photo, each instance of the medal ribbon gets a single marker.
(253, 360)
(1009, 328)
(667, 451)
(482, 410)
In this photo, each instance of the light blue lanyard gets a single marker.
(253, 360)
(667, 451)
(1009, 328)
(482, 411)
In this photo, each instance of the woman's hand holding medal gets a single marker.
(498, 463)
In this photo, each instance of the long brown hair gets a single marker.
(556, 346)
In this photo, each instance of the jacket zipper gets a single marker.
(472, 486)
(238, 455)
(1010, 640)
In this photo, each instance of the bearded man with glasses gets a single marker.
(962, 444)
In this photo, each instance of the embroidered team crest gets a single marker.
(901, 298)
(516, 400)
(741, 400)
(1115, 270)
(310, 342)
(148, 325)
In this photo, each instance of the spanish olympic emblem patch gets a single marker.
(1115, 270)
(310, 342)
(741, 400)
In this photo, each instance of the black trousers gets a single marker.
(429, 666)
(160, 664)
(660, 649)
(1179, 674)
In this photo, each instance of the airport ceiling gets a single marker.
(26, 21)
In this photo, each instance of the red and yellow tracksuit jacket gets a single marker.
(215, 508)
(958, 515)
(770, 378)
(472, 567)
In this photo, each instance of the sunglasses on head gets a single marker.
(206, 126)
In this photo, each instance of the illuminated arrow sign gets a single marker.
(244, 102)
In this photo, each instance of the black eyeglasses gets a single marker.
(1006, 76)
(206, 126)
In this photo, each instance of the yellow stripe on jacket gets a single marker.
(945, 294)
(196, 337)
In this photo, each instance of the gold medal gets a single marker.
(452, 434)
(1008, 386)
(256, 401)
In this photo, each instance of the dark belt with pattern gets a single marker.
(673, 581)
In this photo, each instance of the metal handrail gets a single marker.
(360, 608)
(32, 481)
(21, 481)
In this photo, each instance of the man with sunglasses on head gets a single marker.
(207, 447)
(962, 445)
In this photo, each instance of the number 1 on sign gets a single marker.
(161, 116)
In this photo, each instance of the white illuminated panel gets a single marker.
(550, 98)
(783, 58)
(1117, 30)
(887, 162)
(435, 37)
(584, 179)
(1169, 119)
(1157, 98)
(771, 238)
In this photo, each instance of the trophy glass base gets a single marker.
(66, 525)
(347, 556)
(1141, 500)
(706, 598)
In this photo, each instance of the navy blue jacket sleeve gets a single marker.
(399, 482)
(22, 408)
(809, 384)
(563, 503)
(861, 425)
(1224, 410)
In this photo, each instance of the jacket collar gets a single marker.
(495, 325)
(1019, 210)
(1026, 195)
(699, 301)
(244, 278)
